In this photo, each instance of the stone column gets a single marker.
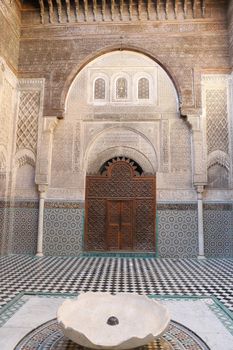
(201, 252)
(199, 155)
(43, 171)
(42, 195)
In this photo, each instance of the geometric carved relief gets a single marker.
(215, 102)
(99, 91)
(143, 88)
(6, 112)
(121, 137)
(2, 162)
(110, 86)
(180, 146)
(27, 127)
(76, 147)
(121, 88)
(164, 148)
(94, 164)
(216, 120)
(120, 184)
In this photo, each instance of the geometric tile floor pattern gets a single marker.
(49, 336)
(210, 277)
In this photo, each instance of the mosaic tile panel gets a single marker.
(5, 227)
(49, 336)
(177, 233)
(218, 230)
(63, 231)
(25, 228)
(11, 310)
(221, 315)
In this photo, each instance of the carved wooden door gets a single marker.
(120, 209)
(119, 224)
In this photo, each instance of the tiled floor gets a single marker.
(145, 276)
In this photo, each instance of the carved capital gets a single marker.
(50, 124)
(194, 121)
(185, 111)
(41, 180)
(42, 188)
(200, 179)
(200, 188)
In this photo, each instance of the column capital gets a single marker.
(50, 124)
(42, 188)
(200, 188)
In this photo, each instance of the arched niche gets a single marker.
(71, 78)
(24, 174)
(121, 141)
(114, 66)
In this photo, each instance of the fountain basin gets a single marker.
(105, 321)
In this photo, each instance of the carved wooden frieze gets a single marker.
(110, 10)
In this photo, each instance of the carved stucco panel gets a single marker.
(122, 137)
(8, 91)
(215, 91)
(176, 195)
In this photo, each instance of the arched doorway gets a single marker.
(120, 208)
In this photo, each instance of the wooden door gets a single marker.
(120, 209)
(119, 224)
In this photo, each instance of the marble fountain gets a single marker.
(105, 321)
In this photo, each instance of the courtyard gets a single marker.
(198, 293)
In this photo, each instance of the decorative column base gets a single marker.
(201, 257)
(39, 255)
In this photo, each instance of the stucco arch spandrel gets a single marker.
(71, 77)
(95, 162)
(114, 141)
